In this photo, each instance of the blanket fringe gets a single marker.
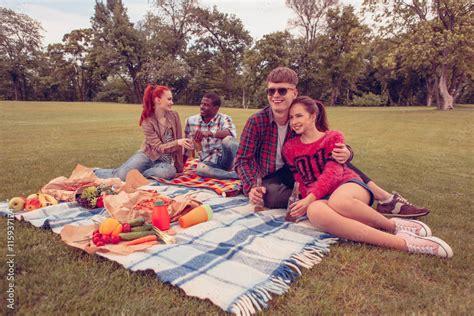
(257, 299)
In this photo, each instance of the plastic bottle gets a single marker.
(197, 148)
(295, 196)
(160, 217)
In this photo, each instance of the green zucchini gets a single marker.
(142, 228)
(135, 235)
(139, 221)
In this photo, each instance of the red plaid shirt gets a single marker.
(258, 148)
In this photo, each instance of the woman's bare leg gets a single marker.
(326, 219)
(350, 200)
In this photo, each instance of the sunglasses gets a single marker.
(281, 91)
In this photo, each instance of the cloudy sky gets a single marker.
(58, 17)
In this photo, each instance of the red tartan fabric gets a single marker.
(189, 178)
(257, 151)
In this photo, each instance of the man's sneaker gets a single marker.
(427, 245)
(410, 225)
(400, 207)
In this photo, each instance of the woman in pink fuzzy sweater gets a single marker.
(333, 196)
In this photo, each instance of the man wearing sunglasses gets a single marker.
(259, 153)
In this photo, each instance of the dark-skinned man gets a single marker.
(216, 134)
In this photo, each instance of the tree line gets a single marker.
(419, 52)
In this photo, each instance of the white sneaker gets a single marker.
(411, 226)
(427, 245)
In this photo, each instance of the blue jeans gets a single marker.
(142, 163)
(225, 162)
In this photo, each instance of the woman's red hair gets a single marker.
(151, 92)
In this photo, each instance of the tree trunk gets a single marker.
(137, 89)
(17, 89)
(22, 86)
(429, 99)
(227, 82)
(16, 86)
(335, 91)
(78, 83)
(391, 101)
(431, 87)
(333, 96)
(447, 98)
(456, 86)
(437, 96)
(82, 86)
(385, 92)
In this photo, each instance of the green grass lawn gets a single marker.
(426, 155)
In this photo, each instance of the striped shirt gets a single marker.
(167, 137)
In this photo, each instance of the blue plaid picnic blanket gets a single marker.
(238, 260)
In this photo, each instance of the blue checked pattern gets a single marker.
(238, 260)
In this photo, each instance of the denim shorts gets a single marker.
(362, 184)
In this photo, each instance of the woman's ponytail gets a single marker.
(322, 118)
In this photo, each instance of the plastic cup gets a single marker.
(200, 214)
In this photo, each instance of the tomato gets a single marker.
(126, 228)
(106, 239)
(96, 239)
(115, 239)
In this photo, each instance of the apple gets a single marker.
(100, 201)
(32, 204)
(17, 203)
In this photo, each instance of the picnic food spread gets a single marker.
(111, 231)
(130, 217)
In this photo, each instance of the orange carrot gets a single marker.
(142, 240)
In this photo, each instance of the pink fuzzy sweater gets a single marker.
(313, 166)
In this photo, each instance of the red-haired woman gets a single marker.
(335, 198)
(161, 153)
